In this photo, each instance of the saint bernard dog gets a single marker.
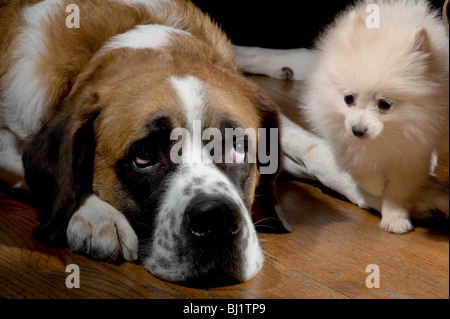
(87, 115)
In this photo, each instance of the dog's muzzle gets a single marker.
(203, 231)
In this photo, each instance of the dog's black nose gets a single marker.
(359, 131)
(213, 218)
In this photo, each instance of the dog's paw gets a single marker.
(395, 224)
(285, 73)
(99, 230)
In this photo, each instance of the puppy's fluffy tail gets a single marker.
(433, 202)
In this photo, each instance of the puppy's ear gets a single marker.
(418, 41)
(357, 22)
(58, 168)
(269, 165)
(351, 36)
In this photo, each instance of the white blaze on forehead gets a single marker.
(190, 91)
(191, 94)
(152, 36)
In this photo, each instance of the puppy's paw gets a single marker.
(99, 230)
(395, 224)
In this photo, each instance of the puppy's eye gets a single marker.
(384, 105)
(144, 158)
(237, 153)
(349, 99)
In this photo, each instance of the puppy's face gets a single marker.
(166, 160)
(372, 84)
(375, 109)
(365, 119)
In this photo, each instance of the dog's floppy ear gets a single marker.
(269, 165)
(58, 165)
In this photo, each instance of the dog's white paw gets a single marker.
(396, 224)
(99, 230)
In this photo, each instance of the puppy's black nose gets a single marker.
(358, 130)
(213, 218)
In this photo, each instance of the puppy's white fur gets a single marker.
(404, 63)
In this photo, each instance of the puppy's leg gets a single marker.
(371, 181)
(402, 187)
(101, 231)
(296, 64)
(308, 156)
(11, 167)
(395, 217)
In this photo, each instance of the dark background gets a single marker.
(281, 24)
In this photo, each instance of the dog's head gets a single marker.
(173, 147)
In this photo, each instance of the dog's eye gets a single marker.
(349, 99)
(237, 153)
(144, 158)
(384, 105)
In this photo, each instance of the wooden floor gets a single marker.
(325, 257)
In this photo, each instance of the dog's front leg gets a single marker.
(101, 231)
(308, 156)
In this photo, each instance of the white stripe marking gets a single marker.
(144, 37)
(190, 91)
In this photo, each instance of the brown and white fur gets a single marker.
(92, 109)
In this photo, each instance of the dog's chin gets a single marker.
(216, 274)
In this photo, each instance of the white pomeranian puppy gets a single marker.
(380, 98)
